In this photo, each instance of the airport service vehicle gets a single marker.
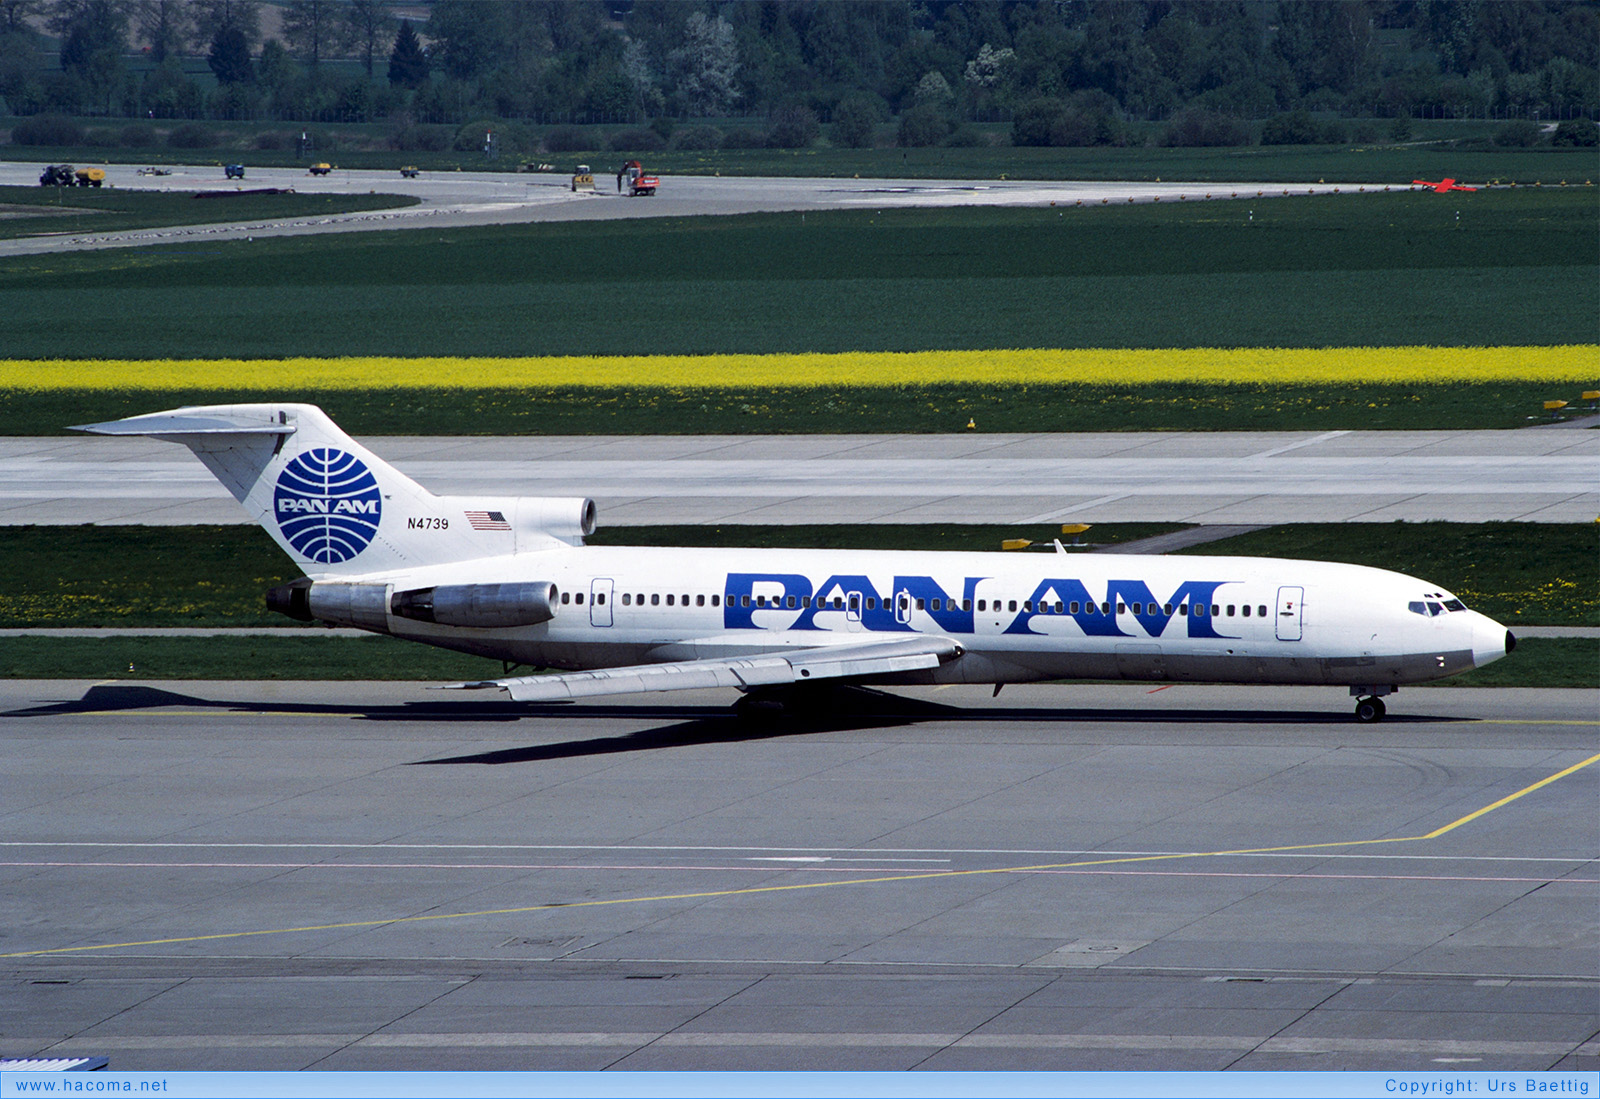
(235, 171)
(511, 578)
(321, 169)
(633, 178)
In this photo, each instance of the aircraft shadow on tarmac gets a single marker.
(839, 709)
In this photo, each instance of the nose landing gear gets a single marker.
(1369, 703)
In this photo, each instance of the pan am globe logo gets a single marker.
(328, 505)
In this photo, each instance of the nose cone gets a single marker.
(1490, 640)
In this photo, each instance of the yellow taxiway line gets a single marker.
(928, 875)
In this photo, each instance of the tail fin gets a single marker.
(338, 509)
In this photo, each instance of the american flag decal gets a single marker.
(488, 520)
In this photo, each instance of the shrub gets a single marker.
(854, 121)
(1033, 121)
(138, 135)
(1294, 128)
(921, 126)
(47, 129)
(698, 138)
(269, 140)
(744, 138)
(469, 138)
(1196, 128)
(637, 141)
(191, 136)
(1400, 129)
(568, 139)
(793, 128)
(101, 138)
(426, 139)
(1576, 132)
(1518, 134)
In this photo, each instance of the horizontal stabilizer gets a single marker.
(850, 661)
(172, 425)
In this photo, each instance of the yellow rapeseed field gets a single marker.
(1283, 366)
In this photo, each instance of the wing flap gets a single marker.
(849, 661)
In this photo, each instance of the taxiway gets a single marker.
(1533, 475)
(456, 199)
(249, 875)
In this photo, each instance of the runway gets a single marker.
(1532, 475)
(254, 875)
(455, 199)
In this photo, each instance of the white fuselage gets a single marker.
(1016, 616)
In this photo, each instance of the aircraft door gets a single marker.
(902, 607)
(853, 602)
(600, 601)
(1289, 609)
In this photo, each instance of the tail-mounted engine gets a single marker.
(367, 606)
(485, 606)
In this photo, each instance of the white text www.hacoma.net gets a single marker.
(90, 1085)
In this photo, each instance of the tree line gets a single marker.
(1060, 71)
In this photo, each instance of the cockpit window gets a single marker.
(1454, 605)
(1435, 608)
(1427, 610)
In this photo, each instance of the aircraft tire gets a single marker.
(1370, 710)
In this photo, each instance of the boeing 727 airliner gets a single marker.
(512, 578)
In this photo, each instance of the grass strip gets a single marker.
(828, 410)
(1516, 573)
(1537, 662)
(40, 211)
(134, 576)
(254, 657)
(1540, 662)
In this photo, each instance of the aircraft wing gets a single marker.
(845, 661)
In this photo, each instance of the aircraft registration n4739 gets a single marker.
(511, 578)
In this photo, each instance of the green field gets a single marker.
(1381, 270)
(131, 576)
(38, 211)
(1537, 662)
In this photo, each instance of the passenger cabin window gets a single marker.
(1013, 604)
(566, 597)
(578, 599)
(669, 600)
(1246, 610)
(922, 604)
(966, 604)
(699, 600)
(1230, 610)
(627, 599)
(872, 604)
(655, 600)
(1262, 610)
(601, 598)
(715, 600)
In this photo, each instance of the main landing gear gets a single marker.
(1369, 703)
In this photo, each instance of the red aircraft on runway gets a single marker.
(1442, 186)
